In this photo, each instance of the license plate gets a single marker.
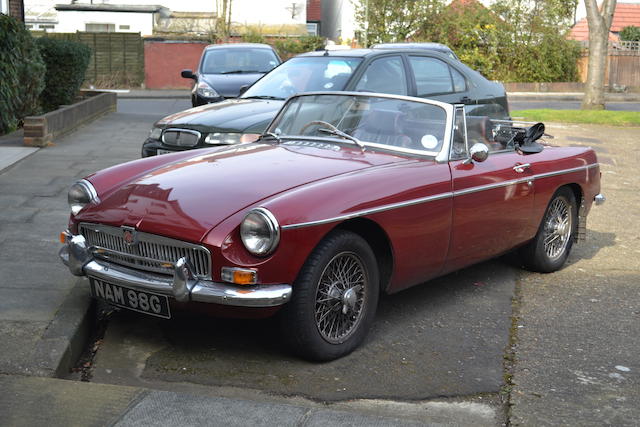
(161, 151)
(132, 299)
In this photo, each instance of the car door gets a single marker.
(493, 199)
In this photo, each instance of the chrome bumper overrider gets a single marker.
(599, 199)
(76, 255)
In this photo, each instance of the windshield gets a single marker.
(304, 74)
(238, 60)
(392, 123)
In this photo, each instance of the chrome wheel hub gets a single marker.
(557, 230)
(340, 297)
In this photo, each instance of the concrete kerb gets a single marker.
(569, 96)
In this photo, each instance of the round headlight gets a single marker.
(80, 194)
(260, 232)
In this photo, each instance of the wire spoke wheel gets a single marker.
(340, 297)
(557, 228)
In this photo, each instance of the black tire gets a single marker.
(548, 251)
(329, 316)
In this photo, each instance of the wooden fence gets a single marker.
(117, 60)
(623, 66)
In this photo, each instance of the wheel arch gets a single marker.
(379, 242)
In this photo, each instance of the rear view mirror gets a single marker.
(243, 89)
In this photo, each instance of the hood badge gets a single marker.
(129, 235)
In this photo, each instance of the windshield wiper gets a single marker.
(263, 97)
(240, 72)
(341, 134)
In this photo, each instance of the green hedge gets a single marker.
(21, 74)
(67, 63)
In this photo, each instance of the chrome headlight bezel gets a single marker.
(206, 91)
(80, 195)
(260, 232)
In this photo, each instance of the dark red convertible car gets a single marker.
(346, 196)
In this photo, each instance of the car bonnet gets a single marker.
(185, 199)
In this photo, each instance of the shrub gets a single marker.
(630, 34)
(21, 73)
(67, 63)
(289, 47)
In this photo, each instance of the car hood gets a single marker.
(233, 115)
(186, 198)
(228, 85)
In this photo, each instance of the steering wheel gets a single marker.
(318, 122)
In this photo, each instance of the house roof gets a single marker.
(110, 8)
(626, 14)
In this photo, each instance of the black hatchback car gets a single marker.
(225, 68)
(410, 72)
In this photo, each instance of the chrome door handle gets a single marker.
(522, 167)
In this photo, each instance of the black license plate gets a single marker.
(132, 299)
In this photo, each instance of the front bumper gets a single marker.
(183, 286)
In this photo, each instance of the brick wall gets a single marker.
(314, 10)
(163, 62)
(16, 9)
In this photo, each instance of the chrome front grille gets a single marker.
(181, 137)
(148, 252)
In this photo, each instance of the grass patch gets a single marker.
(598, 117)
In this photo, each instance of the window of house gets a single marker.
(46, 26)
(124, 27)
(4, 6)
(100, 28)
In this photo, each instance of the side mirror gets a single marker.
(188, 74)
(478, 153)
(243, 89)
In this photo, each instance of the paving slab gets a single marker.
(11, 155)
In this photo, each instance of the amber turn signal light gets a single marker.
(239, 276)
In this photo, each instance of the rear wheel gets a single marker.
(549, 250)
(334, 298)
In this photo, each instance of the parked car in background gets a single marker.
(225, 68)
(436, 47)
(346, 196)
(421, 73)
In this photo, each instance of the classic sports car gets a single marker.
(347, 195)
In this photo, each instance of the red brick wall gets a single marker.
(314, 10)
(164, 61)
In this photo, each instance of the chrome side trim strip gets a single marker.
(491, 186)
(564, 171)
(371, 211)
(437, 197)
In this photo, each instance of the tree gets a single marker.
(394, 20)
(599, 22)
(630, 34)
